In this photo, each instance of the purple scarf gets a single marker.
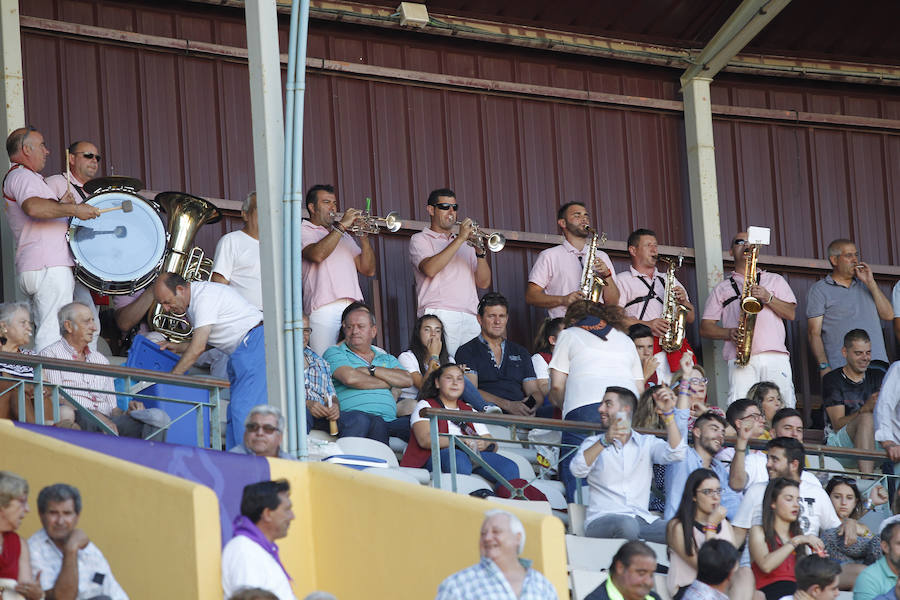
(591, 324)
(245, 527)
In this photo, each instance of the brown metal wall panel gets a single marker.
(831, 190)
(164, 125)
(794, 201)
(427, 147)
(507, 204)
(538, 166)
(319, 162)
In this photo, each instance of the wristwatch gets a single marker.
(823, 366)
(372, 370)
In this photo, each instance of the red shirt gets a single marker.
(9, 558)
(783, 572)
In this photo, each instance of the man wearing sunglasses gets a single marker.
(84, 162)
(39, 218)
(555, 279)
(769, 357)
(263, 431)
(448, 270)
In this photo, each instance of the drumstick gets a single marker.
(68, 175)
(126, 206)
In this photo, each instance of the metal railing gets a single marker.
(813, 451)
(132, 379)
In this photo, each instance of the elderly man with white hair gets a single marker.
(263, 431)
(77, 327)
(501, 574)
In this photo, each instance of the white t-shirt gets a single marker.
(222, 307)
(246, 564)
(409, 362)
(541, 368)
(237, 260)
(594, 365)
(452, 428)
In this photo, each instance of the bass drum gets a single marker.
(119, 252)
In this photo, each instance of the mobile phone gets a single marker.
(530, 402)
(622, 418)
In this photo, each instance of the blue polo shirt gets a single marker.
(504, 380)
(375, 402)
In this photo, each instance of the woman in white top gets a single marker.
(543, 345)
(428, 351)
(443, 388)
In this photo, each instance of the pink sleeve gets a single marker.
(782, 290)
(713, 309)
(419, 249)
(311, 235)
(22, 185)
(608, 262)
(541, 272)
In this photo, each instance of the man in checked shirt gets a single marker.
(322, 407)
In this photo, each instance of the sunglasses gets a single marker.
(254, 427)
(739, 242)
(90, 155)
(446, 206)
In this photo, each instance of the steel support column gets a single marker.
(701, 161)
(12, 97)
(268, 161)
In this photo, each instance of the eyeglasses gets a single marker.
(754, 416)
(711, 492)
(698, 380)
(307, 330)
(254, 427)
(446, 206)
(90, 155)
(738, 242)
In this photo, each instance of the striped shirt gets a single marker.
(317, 377)
(102, 403)
(485, 581)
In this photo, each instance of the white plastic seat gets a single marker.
(526, 471)
(662, 553)
(553, 490)
(576, 518)
(367, 447)
(398, 474)
(500, 432)
(465, 484)
(318, 434)
(535, 505)
(591, 554)
(585, 581)
(659, 586)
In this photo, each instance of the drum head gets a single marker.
(118, 246)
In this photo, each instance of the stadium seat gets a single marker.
(576, 518)
(659, 586)
(591, 554)
(585, 581)
(535, 505)
(662, 553)
(317, 434)
(554, 491)
(367, 447)
(500, 432)
(526, 471)
(465, 484)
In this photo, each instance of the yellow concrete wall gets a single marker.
(160, 533)
(370, 537)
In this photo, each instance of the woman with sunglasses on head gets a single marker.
(775, 544)
(443, 388)
(693, 379)
(865, 549)
(700, 517)
(768, 398)
(428, 351)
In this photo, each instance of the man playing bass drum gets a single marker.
(769, 358)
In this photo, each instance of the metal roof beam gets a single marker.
(742, 26)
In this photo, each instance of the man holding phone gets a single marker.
(618, 465)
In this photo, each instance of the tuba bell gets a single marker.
(186, 215)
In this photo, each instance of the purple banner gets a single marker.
(225, 473)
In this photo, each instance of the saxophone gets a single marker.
(591, 286)
(673, 311)
(750, 307)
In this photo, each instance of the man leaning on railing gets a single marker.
(77, 326)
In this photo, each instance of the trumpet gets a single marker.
(482, 240)
(366, 224)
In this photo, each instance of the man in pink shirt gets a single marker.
(769, 358)
(331, 260)
(448, 269)
(84, 162)
(642, 292)
(38, 219)
(555, 278)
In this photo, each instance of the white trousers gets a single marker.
(459, 327)
(48, 289)
(766, 366)
(326, 323)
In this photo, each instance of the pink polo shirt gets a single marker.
(335, 277)
(57, 183)
(768, 334)
(40, 243)
(558, 271)
(632, 285)
(453, 288)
